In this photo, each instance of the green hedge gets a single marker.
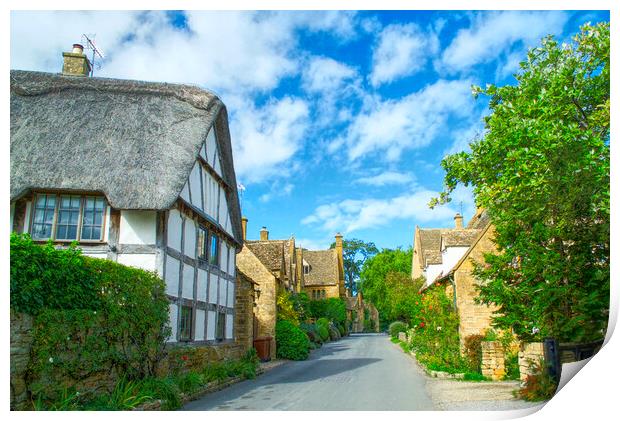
(397, 327)
(291, 342)
(333, 309)
(90, 315)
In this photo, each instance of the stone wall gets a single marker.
(265, 311)
(493, 361)
(244, 313)
(529, 353)
(474, 318)
(21, 342)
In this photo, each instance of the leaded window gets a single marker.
(221, 326)
(214, 250)
(201, 244)
(185, 325)
(66, 217)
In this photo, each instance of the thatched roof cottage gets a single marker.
(137, 172)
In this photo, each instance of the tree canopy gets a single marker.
(541, 169)
(355, 252)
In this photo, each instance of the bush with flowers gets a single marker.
(435, 338)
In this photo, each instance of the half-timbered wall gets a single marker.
(191, 281)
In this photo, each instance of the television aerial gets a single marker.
(89, 43)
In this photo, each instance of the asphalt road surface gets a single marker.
(361, 372)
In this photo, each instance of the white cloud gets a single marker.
(391, 126)
(266, 138)
(387, 177)
(277, 190)
(324, 74)
(491, 33)
(402, 50)
(353, 215)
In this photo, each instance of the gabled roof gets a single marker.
(270, 252)
(430, 243)
(250, 266)
(480, 220)
(134, 141)
(459, 237)
(323, 267)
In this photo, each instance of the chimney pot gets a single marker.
(78, 49)
(458, 221)
(244, 227)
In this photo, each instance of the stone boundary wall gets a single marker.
(493, 363)
(21, 342)
(529, 353)
(402, 336)
(178, 359)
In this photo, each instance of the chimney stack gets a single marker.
(264, 234)
(458, 221)
(244, 227)
(76, 63)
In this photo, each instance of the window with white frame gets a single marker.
(68, 217)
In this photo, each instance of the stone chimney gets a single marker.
(458, 221)
(76, 63)
(339, 254)
(264, 234)
(244, 227)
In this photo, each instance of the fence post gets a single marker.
(552, 359)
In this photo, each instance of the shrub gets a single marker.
(291, 342)
(341, 330)
(189, 382)
(312, 332)
(301, 305)
(474, 377)
(322, 325)
(473, 352)
(397, 327)
(538, 386)
(334, 335)
(332, 309)
(126, 395)
(164, 389)
(285, 308)
(512, 366)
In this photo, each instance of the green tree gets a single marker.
(355, 252)
(541, 170)
(381, 289)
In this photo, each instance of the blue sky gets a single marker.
(339, 119)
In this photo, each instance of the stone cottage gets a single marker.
(140, 173)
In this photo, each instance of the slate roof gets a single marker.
(136, 142)
(323, 267)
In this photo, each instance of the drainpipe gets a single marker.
(451, 279)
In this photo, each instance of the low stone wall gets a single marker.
(529, 353)
(402, 336)
(493, 360)
(21, 342)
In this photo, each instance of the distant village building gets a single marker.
(449, 254)
(140, 173)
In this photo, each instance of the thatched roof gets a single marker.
(323, 267)
(135, 142)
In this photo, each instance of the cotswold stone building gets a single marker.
(447, 256)
(139, 173)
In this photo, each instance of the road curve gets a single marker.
(361, 372)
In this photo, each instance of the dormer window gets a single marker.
(306, 268)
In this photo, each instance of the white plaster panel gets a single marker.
(231, 295)
(199, 333)
(216, 164)
(141, 261)
(190, 238)
(137, 227)
(194, 186)
(211, 146)
(213, 280)
(223, 211)
(231, 261)
(172, 276)
(27, 217)
(229, 326)
(222, 296)
(188, 281)
(106, 233)
(223, 255)
(211, 325)
(174, 229)
(203, 279)
(173, 314)
(185, 193)
(203, 151)
(431, 273)
(450, 256)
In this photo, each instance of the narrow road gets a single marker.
(361, 372)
